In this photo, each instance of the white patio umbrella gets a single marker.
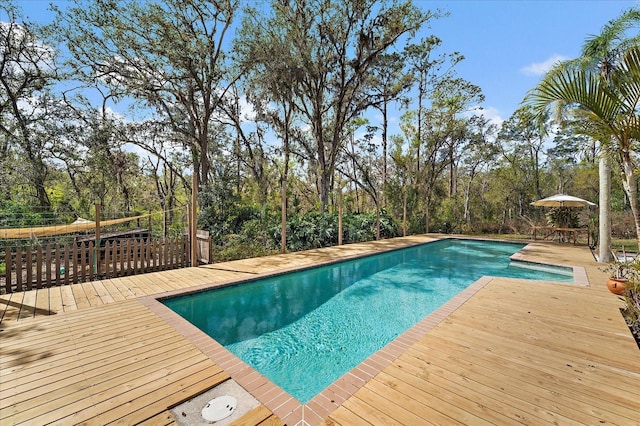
(562, 200)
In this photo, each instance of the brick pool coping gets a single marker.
(317, 409)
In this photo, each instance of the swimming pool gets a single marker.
(305, 329)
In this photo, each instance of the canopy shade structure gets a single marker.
(48, 231)
(562, 200)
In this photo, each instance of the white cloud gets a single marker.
(540, 68)
(492, 114)
(489, 113)
(247, 112)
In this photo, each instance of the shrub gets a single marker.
(631, 296)
(236, 247)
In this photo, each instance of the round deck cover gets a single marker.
(219, 408)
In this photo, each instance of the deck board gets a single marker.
(68, 297)
(593, 392)
(42, 302)
(260, 415)
(533, 352)
(515, 352)
(12, 304)
(55, 300)
(28, 305)
(98, 369)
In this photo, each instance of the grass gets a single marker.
(629, 245)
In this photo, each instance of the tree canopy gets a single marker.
(287, 112)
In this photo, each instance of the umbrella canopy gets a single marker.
(81, 221)
(562, 200)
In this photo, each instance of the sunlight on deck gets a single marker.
(515, 351)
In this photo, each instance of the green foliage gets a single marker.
(563, 217)
(18, 215)
(449, 218)
(631, 312)
(261, 236)
(313, 65)
(631, 296)
(315, 229)
(307, 231)
(221, 211)
(251, 238)
(328, 50)
(237, 247)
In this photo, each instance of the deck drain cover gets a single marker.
(219, 408)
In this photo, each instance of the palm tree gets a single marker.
(600, 54)
(607, 107)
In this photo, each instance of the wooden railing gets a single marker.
(53, 265)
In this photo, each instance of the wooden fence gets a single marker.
(53, 265)
(203, 245)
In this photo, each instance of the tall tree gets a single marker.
(333, 46)
(427, 70)
(526, 134)
(388, 81)
(434, 157)
(480, 152)
(270, 83)
(167, 55)
(251, 145)
(451, 98)
(27, 72)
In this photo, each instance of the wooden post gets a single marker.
(404, 212)
(283, 217)
(189, 227)
(98, 243)
(339, 214)
(7, 272)
(194, 218)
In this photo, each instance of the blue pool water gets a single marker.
(305, 329)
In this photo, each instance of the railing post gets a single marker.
(7, 271)
(29, 267)
(47, 265)
(18, 263)
(39, 267)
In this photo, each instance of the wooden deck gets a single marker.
(513, 352)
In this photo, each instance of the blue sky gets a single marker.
(507, 44)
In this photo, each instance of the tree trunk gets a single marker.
(404, 212)
(420, 94)
(451, 171)
(385, 125)
(325, 189)
(605, 206)
(285, 177)
(283, 216)
(203, 177)
(630, 184)
(340, 214)
(427, 218)
(467, 199)
(377, 221)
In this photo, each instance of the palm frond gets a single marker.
(614, 31)
(570, 87)
(626, 80)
